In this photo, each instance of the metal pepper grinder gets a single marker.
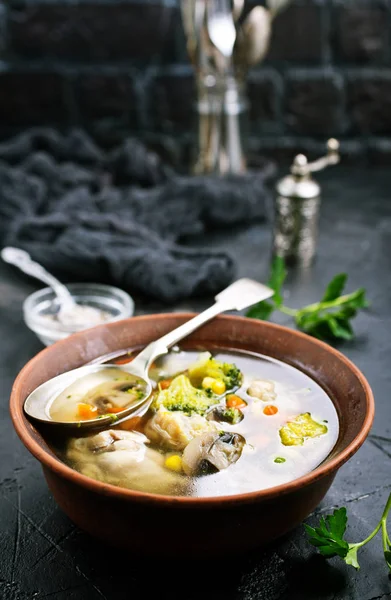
(297, 206)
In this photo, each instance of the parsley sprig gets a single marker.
(328, 319)
(328, 537)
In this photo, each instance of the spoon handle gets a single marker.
(22, 260)
(239, 295)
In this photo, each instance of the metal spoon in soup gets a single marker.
(107, 393)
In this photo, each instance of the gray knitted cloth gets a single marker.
(120, 216)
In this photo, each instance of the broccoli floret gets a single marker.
(182, 396)
(207, 366)
(233, 376)
(302, 427)
(232, 415)
(223, 414)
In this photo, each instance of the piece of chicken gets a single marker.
(122, 458)
(174, 430)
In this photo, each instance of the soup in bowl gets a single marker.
(223, 423)
(248, 424)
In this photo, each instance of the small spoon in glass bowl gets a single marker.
(69, 313)
(42, 404)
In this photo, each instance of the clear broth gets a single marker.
(256, 469)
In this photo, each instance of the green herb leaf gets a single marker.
(331, 319)
(351, 557)
(112, 416)
(277, 277)
(338, 521)
(340, 328)
(261, 311)
(264, 309)
(328, 537)
(335, 287)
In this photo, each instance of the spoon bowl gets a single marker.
(253, 38)
(237, 296)
(38, 403)
(221, 27)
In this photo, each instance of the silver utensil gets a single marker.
(233, 109)
(224, 43)
(253, 38)
(193, 13)
(237, 9)
(222, 113)
(221, 30)
(222, 33)
(237, 296)
(69, 313)
(187, 8)
(276, 6)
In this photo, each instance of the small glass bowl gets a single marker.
(40, 307)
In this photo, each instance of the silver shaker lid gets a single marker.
(300, 184)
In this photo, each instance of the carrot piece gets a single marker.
(86, 411)
(270, 409)
(234, 401)
(114, 409)
(124, 360)
(165, 383)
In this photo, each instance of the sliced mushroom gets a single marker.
(222, 414)
(115, 393)
(262, 389)
(212, 452)
(102, 404)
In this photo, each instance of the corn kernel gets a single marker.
(174, 462)
(208, 382)
(218, 387)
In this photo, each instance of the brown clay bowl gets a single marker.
(196, 526)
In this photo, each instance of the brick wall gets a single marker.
(120, 66)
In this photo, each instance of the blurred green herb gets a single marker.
(112, 416)
(328, 319)
(328, 537)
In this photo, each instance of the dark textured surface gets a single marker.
(299, 35)
(45, 556)
(102, 95)
(361, 32)
(89, 32)
(368, 107)
(173, 97)
(121, 66)
(265, 90)
(315, 102)
(31, 98)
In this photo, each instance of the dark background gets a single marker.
(120, 66)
